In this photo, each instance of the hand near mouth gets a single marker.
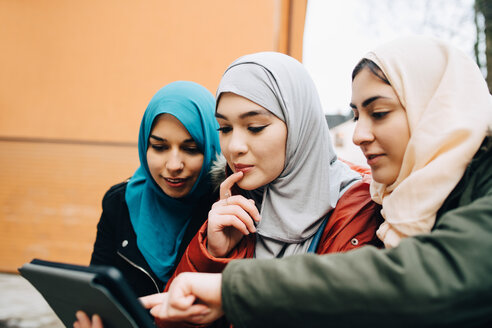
(230, 218)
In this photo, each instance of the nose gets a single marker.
(236, 144)
(363, 132)
(174, 162)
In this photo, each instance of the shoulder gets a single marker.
(115, 216)
(481, 163)
(476, 183)
(115, 194)
(356, 209)
(357, 198)
(477, 179)
(353, 222)
(478, 174)
(357, 195)
(118, 188)
(364, 171)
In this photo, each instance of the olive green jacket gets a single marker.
(443, 278)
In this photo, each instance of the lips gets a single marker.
(176, 182)
(243, 168)
(373, 158)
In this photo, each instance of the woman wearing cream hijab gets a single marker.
(423, 115)
(447, 108)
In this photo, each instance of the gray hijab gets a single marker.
(293, 205)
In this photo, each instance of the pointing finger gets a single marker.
(226, 185)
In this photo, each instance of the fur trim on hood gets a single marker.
(218, 171)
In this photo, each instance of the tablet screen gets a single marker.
(96, 289)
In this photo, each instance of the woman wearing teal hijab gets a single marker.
(148, 221)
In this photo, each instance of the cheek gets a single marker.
(223, 146)
(155, 163)
(275, 152)
(195, 164)
(400, 142)
(152, 161)
(401, 146)
(280, 150)
(154, 166)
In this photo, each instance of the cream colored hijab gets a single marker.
(449, 110)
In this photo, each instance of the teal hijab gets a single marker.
(160, 221)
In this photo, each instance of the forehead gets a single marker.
(366, 84)
(169, 125)
(233, 106)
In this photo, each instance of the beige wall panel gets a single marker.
(50, 198)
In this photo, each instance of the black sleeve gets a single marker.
(113, 204)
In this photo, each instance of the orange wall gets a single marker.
(76, 78)
(86, 69)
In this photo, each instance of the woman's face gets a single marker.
(174, 159)
(382, 131)
(252, 140)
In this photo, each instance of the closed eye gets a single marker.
(355, 113)
(257, 129)
(192, 150)
(379, 115)
(158, 147)
(224, 129)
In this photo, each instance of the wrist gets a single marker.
(213, 253)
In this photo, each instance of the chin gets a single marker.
(248, 185)
(176, 194)
(383, 178)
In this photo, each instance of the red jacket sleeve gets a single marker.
(196, 258)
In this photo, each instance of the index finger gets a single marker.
(83, 319)
(226, 185)
(152, 300)
(96, 321)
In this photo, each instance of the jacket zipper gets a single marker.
(141, 269)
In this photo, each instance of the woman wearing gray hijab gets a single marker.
(286, 192)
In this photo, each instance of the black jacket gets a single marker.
(116, 242)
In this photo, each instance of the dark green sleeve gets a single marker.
(443, 278)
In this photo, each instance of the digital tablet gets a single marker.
(98, 290)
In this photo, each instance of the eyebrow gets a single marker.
(162, 139)
(368, 101)
(247, 114)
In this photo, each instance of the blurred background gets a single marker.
(76, 77)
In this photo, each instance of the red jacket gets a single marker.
(352, 224)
